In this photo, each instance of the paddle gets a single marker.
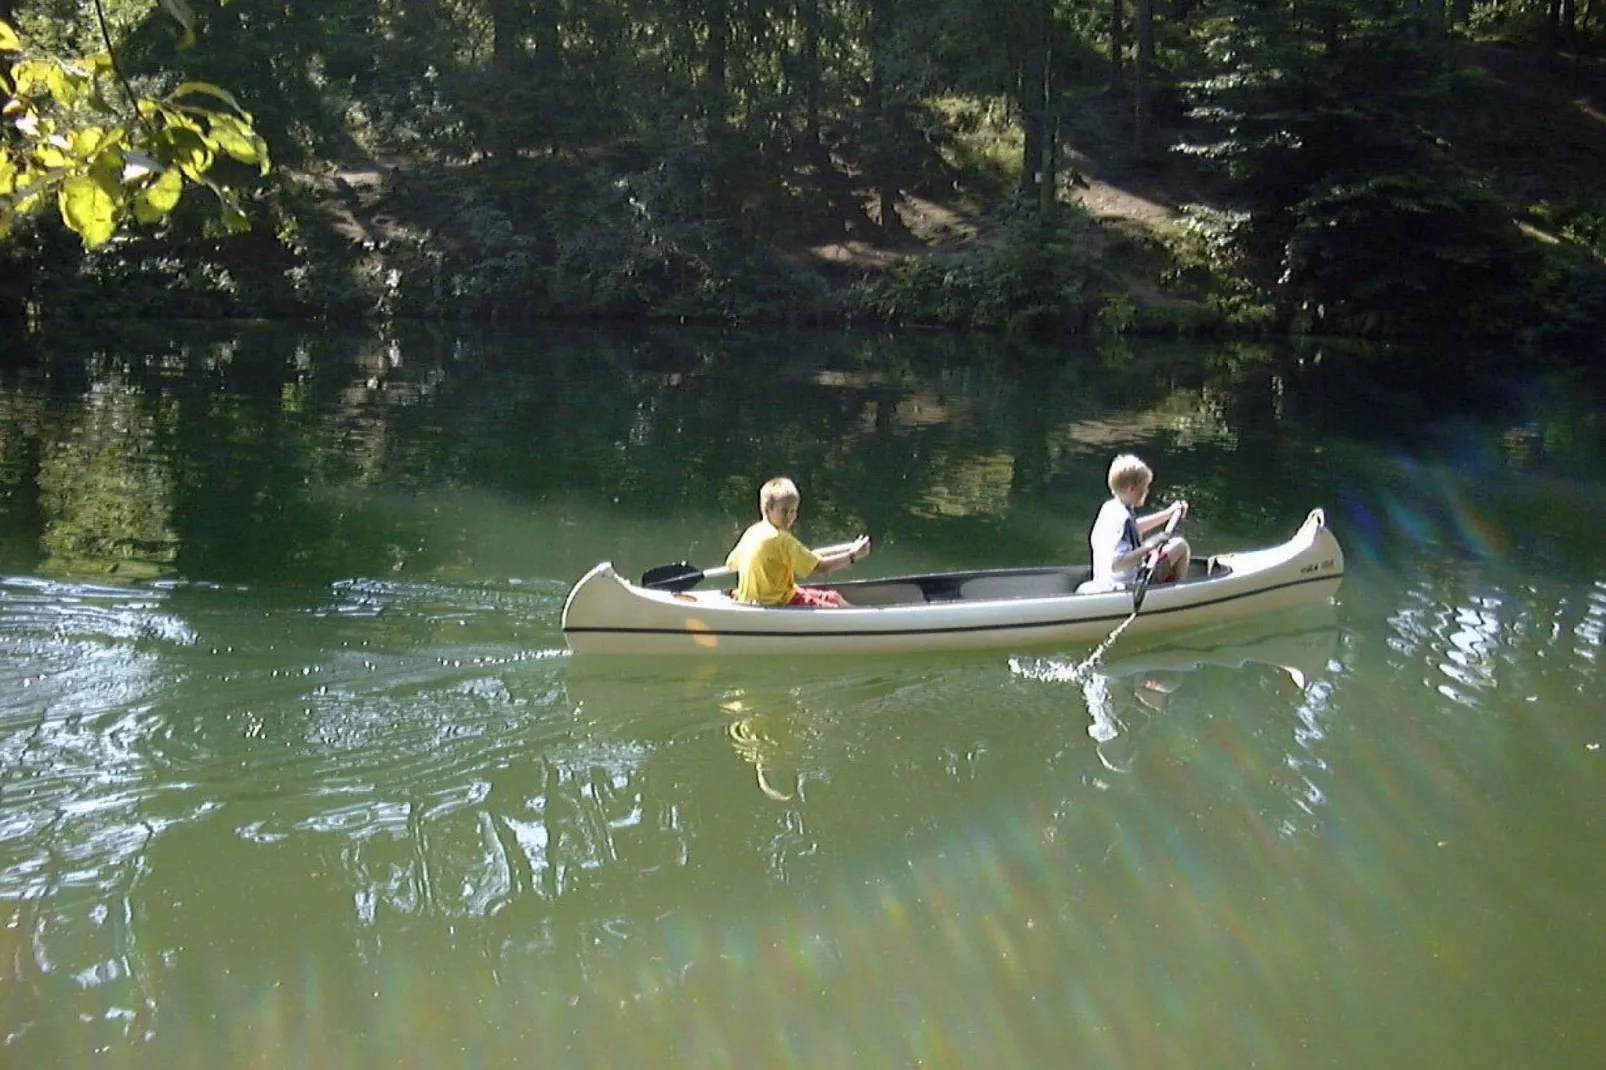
(683, 576)
(1146, 570)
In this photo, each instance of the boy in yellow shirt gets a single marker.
(769, 559)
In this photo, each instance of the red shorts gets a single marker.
(817, 598)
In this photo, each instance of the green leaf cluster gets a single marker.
(1039, 275)
(75, 134)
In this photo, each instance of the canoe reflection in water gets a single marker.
(772, 711)
(1300, 645)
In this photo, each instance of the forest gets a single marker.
(1421, 169)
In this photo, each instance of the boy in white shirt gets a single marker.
(1121, 539)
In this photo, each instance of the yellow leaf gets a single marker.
(9, 41)
(48, 156)
(157, 201)
(233, 137)
(87, 208)
(28, 73)
(84, 143)
(8, 174)
(64, 84)
(209, 89)
(182, 143)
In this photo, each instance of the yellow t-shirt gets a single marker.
(768, 562)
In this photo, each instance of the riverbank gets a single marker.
(1486, 226)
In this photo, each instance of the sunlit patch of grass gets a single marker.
(987, 141)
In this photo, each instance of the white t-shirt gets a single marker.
(1115, 532)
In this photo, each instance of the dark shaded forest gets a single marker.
(1369, 168)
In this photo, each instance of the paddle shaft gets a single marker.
(681, 578)
(726, 570)
(1141, 588)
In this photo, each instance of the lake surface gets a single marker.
(296, 771)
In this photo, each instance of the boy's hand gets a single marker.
(861, 547)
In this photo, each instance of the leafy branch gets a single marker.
(109, 159)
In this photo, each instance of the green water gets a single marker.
(295, 769)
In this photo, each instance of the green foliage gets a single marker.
(77, 135)
(1569, 277)
(1357, 218)
(983, 140)
(1577, 222)
(1400, 254)
(1037, 275)
(712, 162)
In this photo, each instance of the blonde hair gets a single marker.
(1128, 472)
(778, 490)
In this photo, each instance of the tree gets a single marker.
(77, 133)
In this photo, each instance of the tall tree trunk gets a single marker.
(888, 115)
(1117, 45)
(506, 29)
(811, 70)
(718, 52)
(1144, 27)
(1433, 12)
(1035, 93)
(544, 15)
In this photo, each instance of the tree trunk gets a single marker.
(1433, 11)
(1117, 45)
(506, 29)
(502, 130)
(811, 70)
(888, 116)
(718, 14)
(544, 16)
(1144, 26)
(1036, 96)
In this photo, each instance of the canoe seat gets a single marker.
(876, 593)
(990, 588)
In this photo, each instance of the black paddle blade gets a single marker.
(681, 576)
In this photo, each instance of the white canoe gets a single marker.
(1017, 607)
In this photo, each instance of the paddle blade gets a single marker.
(681, 576)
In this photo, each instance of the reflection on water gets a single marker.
(307, 778)
(1277, 667)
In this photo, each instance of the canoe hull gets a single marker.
(606, 614)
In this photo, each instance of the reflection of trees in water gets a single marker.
(106, 486)
(295, 454)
